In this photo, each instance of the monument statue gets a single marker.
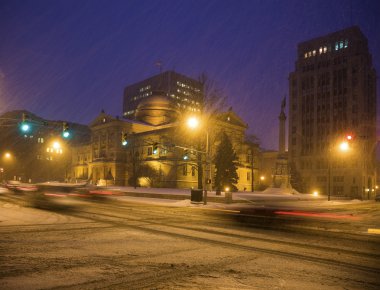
(281, 176)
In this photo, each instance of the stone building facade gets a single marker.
(157, 140)
(332, 94)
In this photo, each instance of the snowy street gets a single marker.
(128, 242)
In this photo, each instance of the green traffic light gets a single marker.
(25, 127)
(66, 134)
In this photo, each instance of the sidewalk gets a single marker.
(241, 198)
(270, 198)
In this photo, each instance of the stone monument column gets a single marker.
(281, 177)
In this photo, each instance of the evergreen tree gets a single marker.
(225, 165)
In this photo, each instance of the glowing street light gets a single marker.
(7, 155)
(56, 145)
(193, 123)
(344, 146)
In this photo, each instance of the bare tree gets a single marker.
(214, 99)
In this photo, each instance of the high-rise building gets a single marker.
(185, 93)
(332, 96)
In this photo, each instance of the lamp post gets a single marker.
(6, 158)
(193, 123)
(343, 147)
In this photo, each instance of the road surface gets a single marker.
(111, 244)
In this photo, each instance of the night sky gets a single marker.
(67, 60)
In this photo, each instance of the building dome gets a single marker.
(156, 110)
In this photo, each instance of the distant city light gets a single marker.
(315, 193)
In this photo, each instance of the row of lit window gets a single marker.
(324, 49)
(144, 88)
(147, 94)
(185, 100)
(52, 150)
(188, 107)
(182, 85)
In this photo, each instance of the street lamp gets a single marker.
(7, 160)
(343, 147)
(194, 123)
(55, 147)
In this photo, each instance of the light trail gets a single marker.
(316, 214)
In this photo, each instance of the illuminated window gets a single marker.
(346, 43)
(336, 45)
(192, 170)
(324, 49)
(341, 44)
(320, 50)
(314, 52)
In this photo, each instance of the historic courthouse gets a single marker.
(155, 147)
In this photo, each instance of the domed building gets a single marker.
(156, 110)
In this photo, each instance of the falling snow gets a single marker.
(70, 59)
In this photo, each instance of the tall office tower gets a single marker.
(185, 93)
(333, 100)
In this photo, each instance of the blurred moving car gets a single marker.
(60, 189)
(18, 187)
(3, 190)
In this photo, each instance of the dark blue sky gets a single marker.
(69, 59)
